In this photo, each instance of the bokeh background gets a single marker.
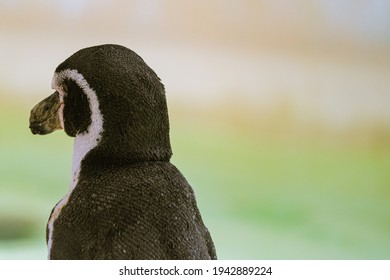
(280, 117)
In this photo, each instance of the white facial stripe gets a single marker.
(61, 114)
(61, 94)
(83, 142)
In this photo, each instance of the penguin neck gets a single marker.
(82, 145)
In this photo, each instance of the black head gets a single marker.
(110, 95)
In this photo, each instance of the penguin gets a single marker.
(126, 200)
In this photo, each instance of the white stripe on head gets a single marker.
(84, 142)
(88, 140)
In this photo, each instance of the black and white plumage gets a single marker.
(126, 200)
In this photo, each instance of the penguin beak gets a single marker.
(44, 117)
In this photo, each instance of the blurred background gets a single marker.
(279, 110)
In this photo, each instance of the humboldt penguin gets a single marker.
(125, 200)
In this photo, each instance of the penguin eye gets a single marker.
(63, 90)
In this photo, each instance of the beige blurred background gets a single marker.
(280, 114)
(325, 60)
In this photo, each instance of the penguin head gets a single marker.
(109, 96)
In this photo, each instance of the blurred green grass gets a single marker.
(284, 199)
(262, 197)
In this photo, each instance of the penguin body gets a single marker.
(154, 217)
(126, 200)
